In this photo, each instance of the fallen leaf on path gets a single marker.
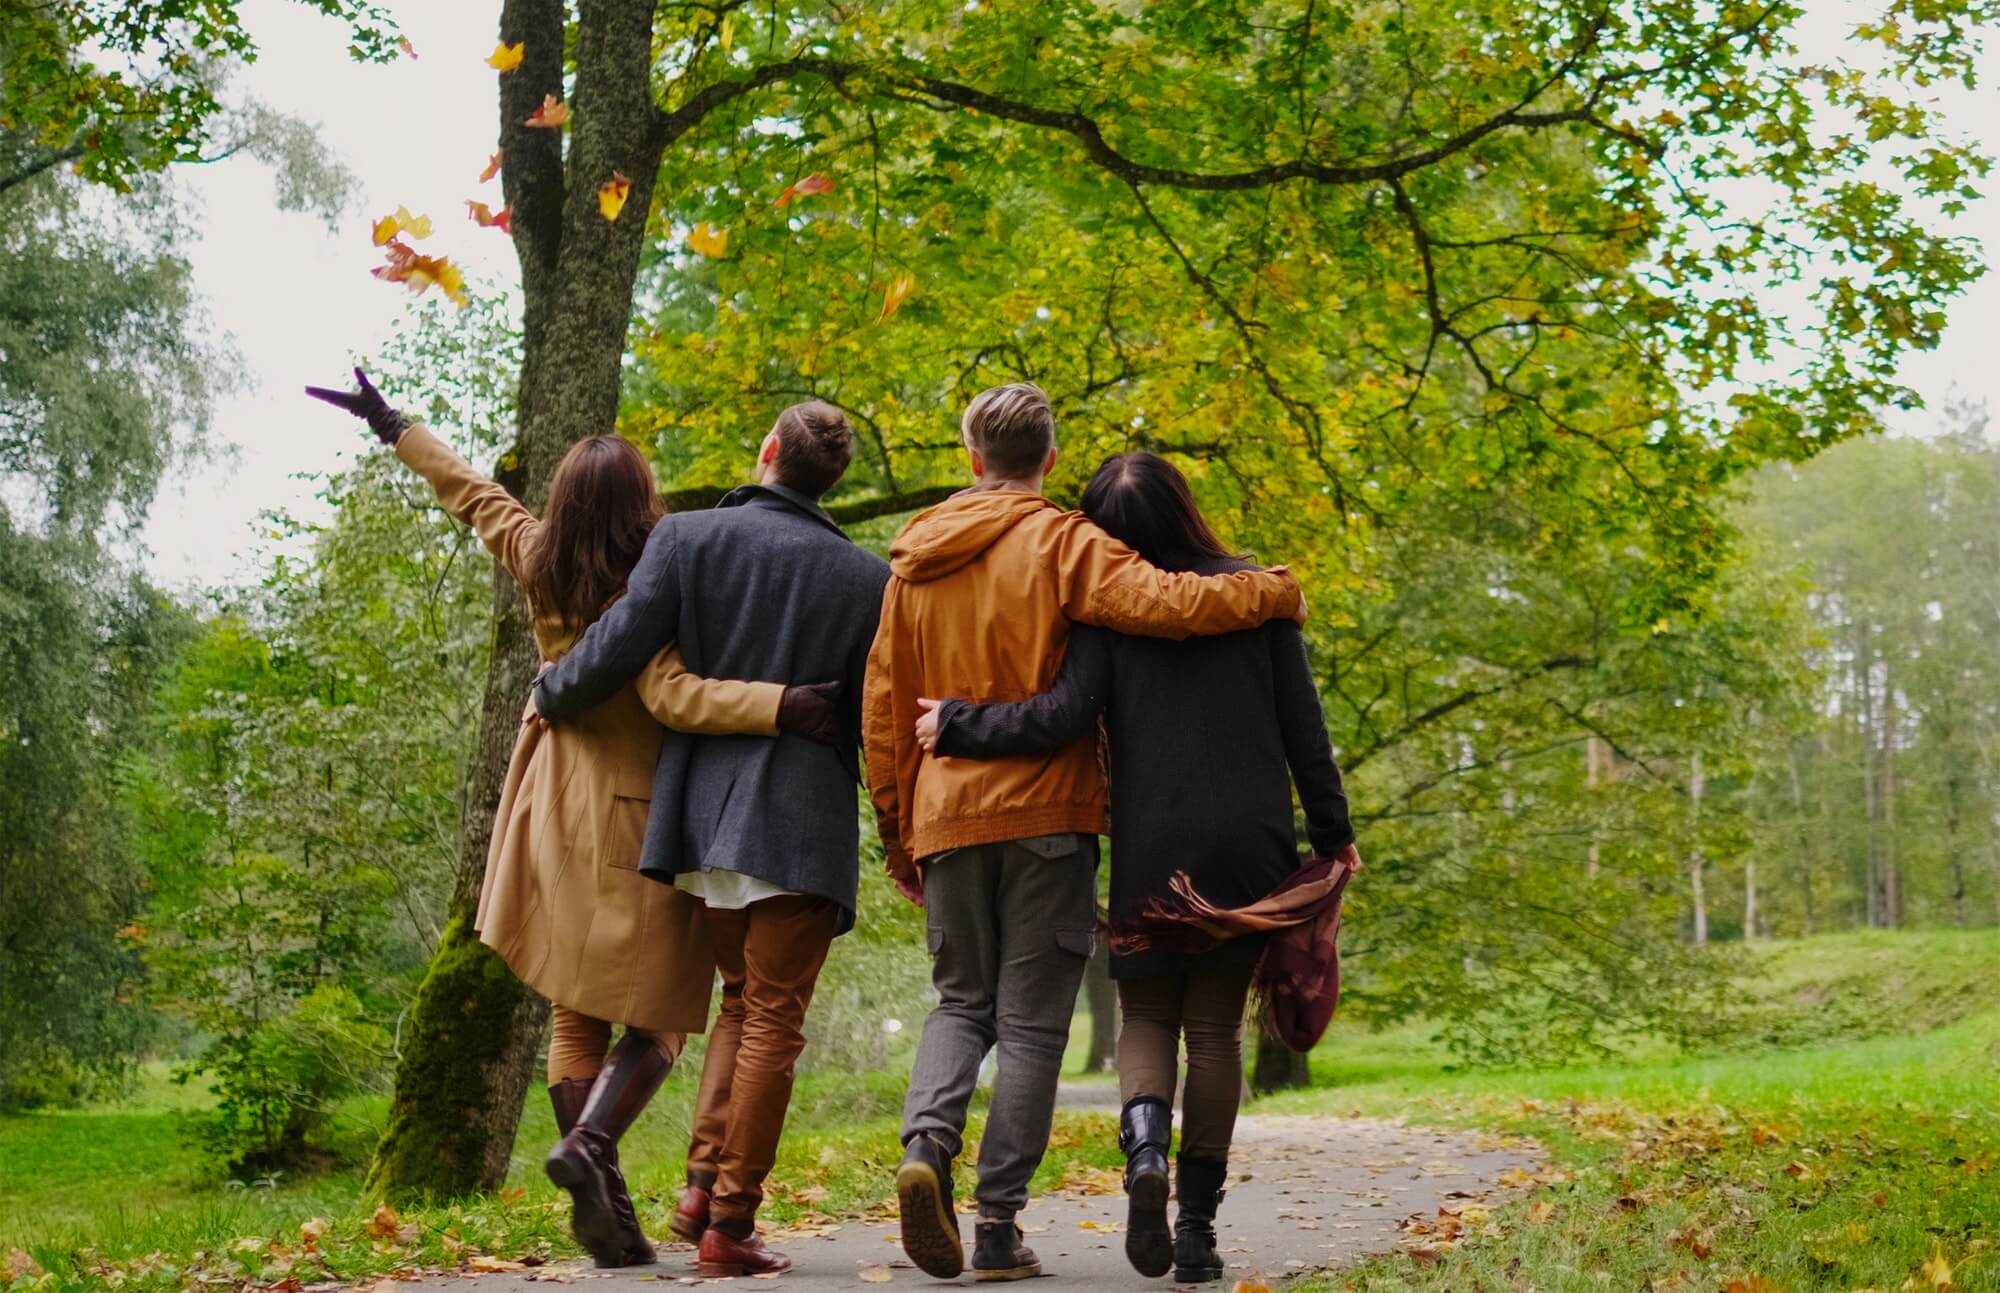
(505, 57)
(804, 188)
(612, 193)
(1251, 1286)
(384, 1224)
(550, 116)
(489, 1265)
(875, 1275)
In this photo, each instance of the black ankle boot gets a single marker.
(585, 1161)
(999, 1254)
(1200, 1190)
(1145, 1133)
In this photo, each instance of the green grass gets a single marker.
(1846, 1164)
(122, 1195)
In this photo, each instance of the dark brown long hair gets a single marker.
(602, 505)
(1143, 501)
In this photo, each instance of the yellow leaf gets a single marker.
(712, 243)
(505, 57)
(728, 35)
(414, 225)
(1542, 1211)
(892, 297)
(550, 116)
(612, 193)
(875, 1275)
(492, 166)
(385, 230)
(494, 1265)
(1936, 1271)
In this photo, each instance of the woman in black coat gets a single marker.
(1207, 738)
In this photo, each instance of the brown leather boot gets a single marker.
(690, 1219)
(585, 1161)
(723, 1256)
(567, 1098)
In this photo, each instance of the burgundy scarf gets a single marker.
(1297, 978)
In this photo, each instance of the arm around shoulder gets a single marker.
(1103, 582)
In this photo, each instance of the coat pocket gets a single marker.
(625, 827)
(1080, 942)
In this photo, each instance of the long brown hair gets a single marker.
(602, 505)
(1144, 502)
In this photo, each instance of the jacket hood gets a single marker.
(953, 534)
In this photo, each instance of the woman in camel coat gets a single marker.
(564, 903)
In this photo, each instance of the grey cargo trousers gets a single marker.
(1010, 928)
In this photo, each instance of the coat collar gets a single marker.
(782, 496)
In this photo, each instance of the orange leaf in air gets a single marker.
(487, 218)
(492, 166)
(804, 188)
(419, 273)
(551, 115)
(391, 226)
(505, 57)
(612, 193)
(709, 242)
(892, 296)
(403, 43)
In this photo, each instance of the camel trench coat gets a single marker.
(563, 902)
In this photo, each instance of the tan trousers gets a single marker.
(1203, 1002)
(769, 955)
(578, 1044)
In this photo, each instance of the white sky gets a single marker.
(299, 303)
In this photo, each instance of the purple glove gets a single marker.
(367, 404)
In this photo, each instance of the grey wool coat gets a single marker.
(765, 588)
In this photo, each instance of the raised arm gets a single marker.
(1307, 748)
(508, 529)
(1103, 582)
(624, 639)
(1058, 717)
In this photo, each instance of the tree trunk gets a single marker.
(1892, 879)
(1102, 996)
(469, 1045)
(1804, 838)
(1279, 1067)
(1696, 861)
(1592, 761)
(1870, 787)
(1750, 900)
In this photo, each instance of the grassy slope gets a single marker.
(1848, 1162)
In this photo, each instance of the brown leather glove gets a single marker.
(810, 711)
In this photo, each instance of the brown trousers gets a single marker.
(769, 954)
(578, 1044)
(1203, 1000)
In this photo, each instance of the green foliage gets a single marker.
(117, 89)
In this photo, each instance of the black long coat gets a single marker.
(1207, 738)
(765, 587)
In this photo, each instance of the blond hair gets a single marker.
(1012, 427)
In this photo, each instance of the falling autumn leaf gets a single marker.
(892, 296)
(612, 193)
(420, 273)
(403, 43)
(492, 165)
(390, 227)
(505, 57)
(551, 115)
(712, 243)
(804, 188)
(1936, 1271)
(487, 218)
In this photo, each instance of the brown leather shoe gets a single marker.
(690, 1219)
(724, 1256)
(585, 1162)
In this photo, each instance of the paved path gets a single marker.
(1304, 1193)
